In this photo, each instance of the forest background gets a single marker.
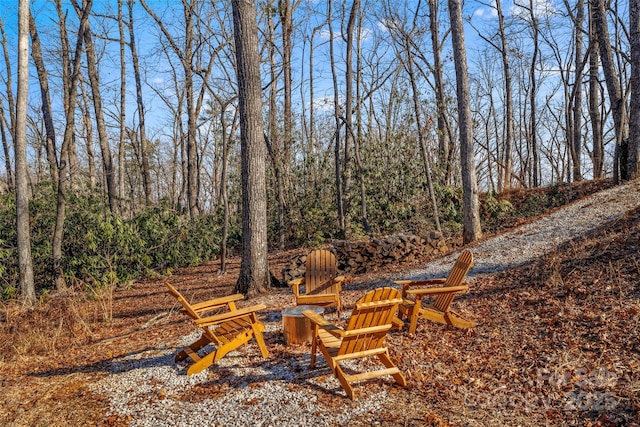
(133, 123)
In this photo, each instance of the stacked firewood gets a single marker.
(356, 257)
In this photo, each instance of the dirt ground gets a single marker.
(558, 343)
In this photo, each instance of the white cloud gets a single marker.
(486, 12)
(541, 8)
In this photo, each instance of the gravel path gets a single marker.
(147, 388)
(533, 240)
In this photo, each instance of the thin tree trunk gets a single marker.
(577, 98)
(613, 86)
(277, 157)
(508, 100)
(533, 131)
(348, 113)
(421, 130)
(357, 138)
(444, 142)
(144, 145)
(6, 150)
(336, 109)
(633, 163)
(123, 104)
(101, 127)
(9, 82)
(71, 72)
(43, 79)
(597, 153)
(88, 136)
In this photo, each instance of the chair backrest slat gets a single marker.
(365, 316)
(185, 304)
(457, 275)
(320, 271)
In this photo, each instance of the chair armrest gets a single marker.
(407, 283)
(295, 285)
(321, 322)
(436, 291)
(216, 302)
(313, 299)
(369, 330)
(219, 318)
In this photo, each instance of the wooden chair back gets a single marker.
(370, 321)
(321, 269)
(185, 304)
(457, 275)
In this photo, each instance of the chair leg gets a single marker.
(415, 313)
(314, 347)
(257, 333)
(386, 361)
(193, 348)
(339, 373)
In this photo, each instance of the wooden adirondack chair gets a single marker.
(439, 311)
(226, 331)
(322, 286)
(363, 337)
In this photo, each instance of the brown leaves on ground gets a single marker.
(558, 343)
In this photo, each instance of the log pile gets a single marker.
(362, 256)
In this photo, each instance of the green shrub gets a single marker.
(101, 249)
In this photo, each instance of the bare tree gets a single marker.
(597, 153)
(471, 204)
(254, 269)
(25, 261)
(576, 138)
(618, 108)
(144, 145)
(96, 96)
(633, 168)
(340, 202)
(43, 79)
(186, 55)
(70, 76)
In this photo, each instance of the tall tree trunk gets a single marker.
(70, 75)
(633, 163)
(336, 111)
(357, 138)
(470, 202)
(422, 128)
(616, 99)
(597, 153)
(276, 155)
(508, 101)
(43, 79)
(533, 121)
(577, 98)
(144, 144)
(444, 142)
(122, 117)
(348, 107)
(101, 127)
(254, 269)
(25, 261)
